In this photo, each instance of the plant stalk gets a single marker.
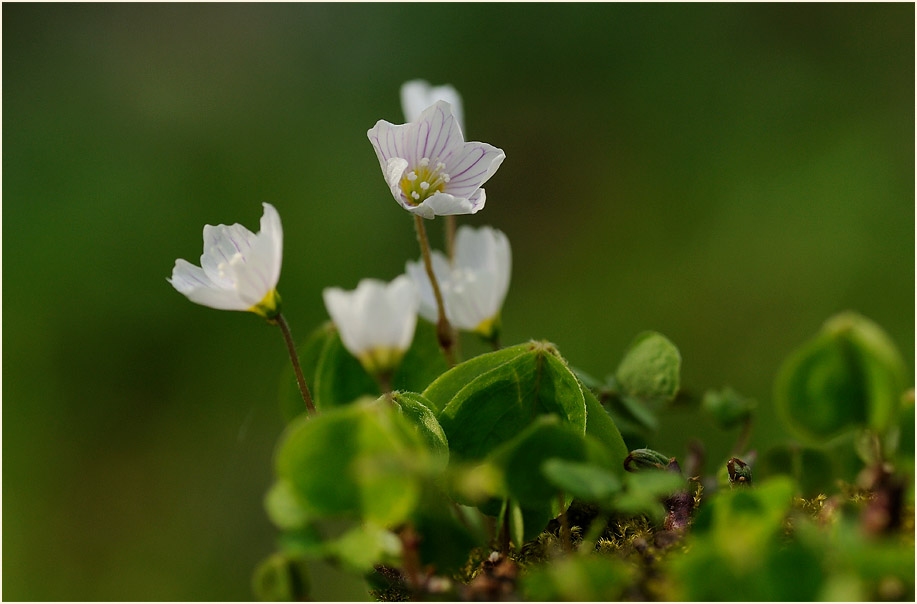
(291, 347)
(565, 537)
(443, 329)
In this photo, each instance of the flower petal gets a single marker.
(417, 95)
(272, 232)
(472, 167)
(444, 204)
(486, 252)
(438, 136)
(394, 171)
(252, 274)
(193, 282)
(383, 136)
(221, 244)
(375, 315)
(403, 300)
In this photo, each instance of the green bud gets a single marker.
(739, 472)
(646, 459)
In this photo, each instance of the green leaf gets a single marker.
(585, 481)
(744, 520)
(601, 426)
(361, 460)
(650, 369)
(849, 375)
(522, 458)
(812, 469)
(339, 377)
(444, 388)
(445, 539)
(423, 362)
(501, 403)
(291, 403)
(283, 508)
(643, 491)
(416, 410)
(281, 579)
(727, 407)
(363, 547)
(578, 579)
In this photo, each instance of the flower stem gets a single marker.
(443, 329)
(291, 347)
(504, 530)
(410, 557)
(565, 537)
(739, 447)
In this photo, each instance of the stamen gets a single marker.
(440, 166)
(424, 185)
(415, 195)
(412, 176)
(445, 177)
(425, 162)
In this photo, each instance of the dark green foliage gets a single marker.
(850, 375)
(373, 486)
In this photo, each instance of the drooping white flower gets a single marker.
(239, 269)
(417, 95)
(473, 286)
(429, 167)
(376, 320)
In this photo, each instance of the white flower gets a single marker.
(417, 95)
(376, 321)
(429, 167)
(239, 269)
(474, 286)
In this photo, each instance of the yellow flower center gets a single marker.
(381, 360)
(423, 181)
(269, 307)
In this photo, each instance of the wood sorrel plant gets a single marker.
(511, 475)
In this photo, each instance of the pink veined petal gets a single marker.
(472, 167)
(443, 138)
(383, 136)
(477, 201)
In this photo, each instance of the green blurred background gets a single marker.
(729, 175)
